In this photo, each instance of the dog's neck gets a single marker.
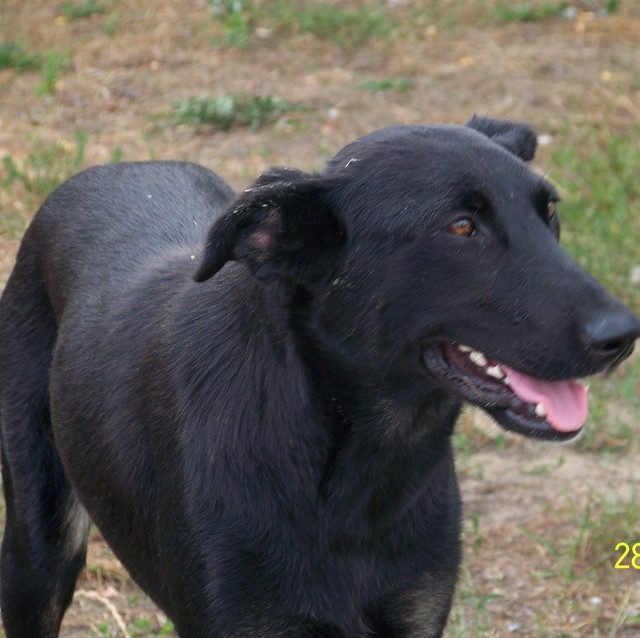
(388, 435)
(372, 443)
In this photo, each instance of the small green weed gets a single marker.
(528, 11)
(467, 439)
(473, 534)
(604, 7)
(470, 615)
(111, 24)
(612, 6)
(52, 64)
(399, 85)
(116, 155)
(235, 109)
(50, 164)
(349, 27)
(236, 31)
(44, 168)
(142, 626)
(104, 631)
(223, 8)
(15, 56)
(236, 25)
(12, 224)
(166, 629)
(75, 10)
(500, 442)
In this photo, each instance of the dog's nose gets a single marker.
(611, 335)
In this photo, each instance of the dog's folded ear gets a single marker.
(517, 137)
(280, 228)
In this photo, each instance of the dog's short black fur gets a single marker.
(258, 420)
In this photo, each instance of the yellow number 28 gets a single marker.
(625, 548)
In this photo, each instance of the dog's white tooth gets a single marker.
(495, 372)
(540, 410)
(464, 348)
(478, 358)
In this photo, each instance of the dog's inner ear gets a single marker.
(517, 137)
(280, 228)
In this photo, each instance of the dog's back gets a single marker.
(100, 230)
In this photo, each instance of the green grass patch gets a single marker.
(50, 63)
(601, 195)
(53, 63)
(612, 6)
(349, 27)
(15, 56)
(143, 626)
(235, 17)
(528, 11)
(12, 224)
(597, 526)
(111, 24)
(399, 85)
(48, 165)
(223, 8)
(470, 614)
(76, 10)
(230, 110)
(44, 168)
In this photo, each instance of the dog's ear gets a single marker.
(517, 137)
(282, 228)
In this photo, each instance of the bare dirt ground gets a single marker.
(565, 75)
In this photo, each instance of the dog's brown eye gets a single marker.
(551, 209)
(462, 227)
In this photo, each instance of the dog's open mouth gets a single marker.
(526, 405)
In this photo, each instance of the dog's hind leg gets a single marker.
(44, 544)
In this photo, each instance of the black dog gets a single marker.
(259, 420)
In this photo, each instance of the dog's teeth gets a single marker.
(464, 348)
(478, 358)
(540, 410)
(495, 372)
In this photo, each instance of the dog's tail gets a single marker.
(44, 544)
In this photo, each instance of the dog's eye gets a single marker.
(551, 209)
(463, 227)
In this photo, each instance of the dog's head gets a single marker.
(432, 252)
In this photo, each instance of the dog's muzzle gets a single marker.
(524, 404)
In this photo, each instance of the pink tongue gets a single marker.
(564, 401)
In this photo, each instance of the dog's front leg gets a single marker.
(420, 612)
